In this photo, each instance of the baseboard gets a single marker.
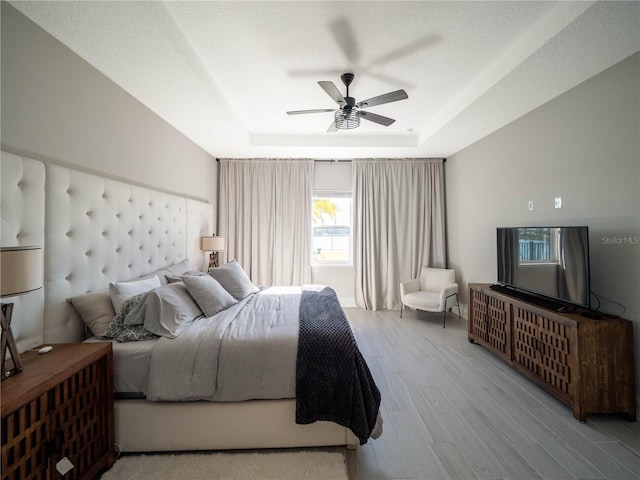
(347, 302)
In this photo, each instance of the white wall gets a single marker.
(57, 108)
(584, 146)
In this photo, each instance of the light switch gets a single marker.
(532, 207)
(558, 202)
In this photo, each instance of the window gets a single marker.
(331, 228)
(538, 245)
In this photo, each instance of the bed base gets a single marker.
(143, 426)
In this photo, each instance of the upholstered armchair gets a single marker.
(435, 291)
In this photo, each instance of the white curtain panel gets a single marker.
(399, 226)
(265, 217)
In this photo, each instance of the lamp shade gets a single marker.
(20, 270)
(212, 244)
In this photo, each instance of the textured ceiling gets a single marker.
(225, 73)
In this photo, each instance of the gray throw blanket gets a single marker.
(333, 381)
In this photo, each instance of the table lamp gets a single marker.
(213, 245)
(20, 273)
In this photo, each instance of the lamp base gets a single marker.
(9, 343)
(213, 259)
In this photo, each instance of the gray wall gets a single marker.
(583, 146)
(58, 108)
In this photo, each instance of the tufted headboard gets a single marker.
(22, 224)
(98, 230)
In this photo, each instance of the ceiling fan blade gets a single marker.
(374, 117)
(406, 50)
(343, 33)
(300, 112)
(385, 98)
(390, 79)
(332, 128)
(333, 92)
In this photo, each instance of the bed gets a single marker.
(191, 340)
(98, 231)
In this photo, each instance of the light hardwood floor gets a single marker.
(453, 411)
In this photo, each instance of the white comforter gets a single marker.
(245, 352)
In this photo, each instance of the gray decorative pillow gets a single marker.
(234, 280)
(210, 296)
(178, 269)
(178, 278)
(117, 330)
(173, 270)
(165, 310)
(95, 310)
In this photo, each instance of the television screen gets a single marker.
(548, 261)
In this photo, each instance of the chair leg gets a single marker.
(444, 315)
(446, 302)
(401, 308)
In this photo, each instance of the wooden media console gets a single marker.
(586, 363)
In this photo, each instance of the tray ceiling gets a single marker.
(225, 73)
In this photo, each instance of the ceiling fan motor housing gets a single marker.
(351, 102)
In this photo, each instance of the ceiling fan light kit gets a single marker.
(347, 119)
(347, 115)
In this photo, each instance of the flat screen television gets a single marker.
(549, 263)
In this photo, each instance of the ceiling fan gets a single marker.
(348, 115)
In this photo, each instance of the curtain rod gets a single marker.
(335, 160)
(346, 160)
(332, 160)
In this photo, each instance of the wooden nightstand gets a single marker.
(60, 407)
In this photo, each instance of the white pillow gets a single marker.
(121, 291)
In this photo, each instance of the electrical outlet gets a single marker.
(532, 206)
(558, 202)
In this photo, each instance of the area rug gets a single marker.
(273, 465)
